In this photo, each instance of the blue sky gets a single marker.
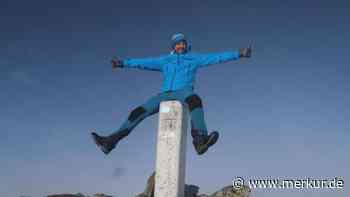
(282, 113)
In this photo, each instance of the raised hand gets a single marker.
(116, 62)
(245, 52)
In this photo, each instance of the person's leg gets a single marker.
(195, 107)
(150, 107)
(199, 132)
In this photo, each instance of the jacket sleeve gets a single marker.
(150, 63)
(216, 58)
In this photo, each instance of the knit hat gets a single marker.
(176, 38)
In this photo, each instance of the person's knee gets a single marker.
(193, 101)
(136, 113)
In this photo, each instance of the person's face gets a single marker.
(180, 47)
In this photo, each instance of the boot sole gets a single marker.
(212, 140)
(103, 148)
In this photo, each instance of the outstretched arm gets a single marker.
(151, 63)
(216, 58)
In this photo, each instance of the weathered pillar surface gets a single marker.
(171, 150)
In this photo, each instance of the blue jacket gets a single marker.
(179, 70)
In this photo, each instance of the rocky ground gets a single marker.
(193, 190)
(190, 191)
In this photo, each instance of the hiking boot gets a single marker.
(202, 142)
(108, 143)
(104, 143)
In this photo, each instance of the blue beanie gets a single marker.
(176, 38)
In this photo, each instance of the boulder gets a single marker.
(192, 190)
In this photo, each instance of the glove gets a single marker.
(116, 63)
(245, 52)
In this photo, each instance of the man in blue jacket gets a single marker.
(178, 69)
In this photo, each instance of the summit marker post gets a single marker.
(171, 150)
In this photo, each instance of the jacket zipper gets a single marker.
(172, 81)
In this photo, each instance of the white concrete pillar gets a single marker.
(171, 150)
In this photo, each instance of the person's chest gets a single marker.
(180, 64)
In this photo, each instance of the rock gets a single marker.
(192, 190)
(149, 191)
(101, 195)
(78, 195)
(229, 191)
(65, 195)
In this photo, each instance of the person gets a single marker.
(179, 70)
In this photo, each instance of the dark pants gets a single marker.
(151, 106)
